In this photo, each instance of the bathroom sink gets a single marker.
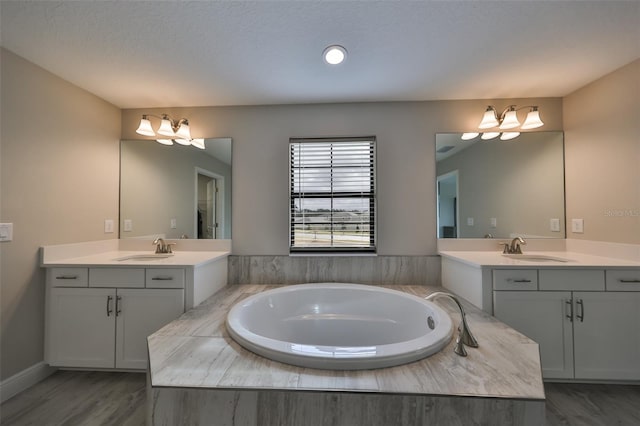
(144, 257)
(536, 257)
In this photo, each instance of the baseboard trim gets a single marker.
(24, 380)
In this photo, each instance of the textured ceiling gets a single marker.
(182, 53)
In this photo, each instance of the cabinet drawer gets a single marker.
(515, 279)
(165, 278)
(116, 277)
(69, 277)
(623, 279)
(572, 280)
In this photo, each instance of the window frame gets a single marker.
(371, 195)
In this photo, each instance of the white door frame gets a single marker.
(445, 177)
(219, 201)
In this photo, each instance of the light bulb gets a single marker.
(183, 131)
(489, 119)
(533, 120)
(166, 128)
(489, 135)
(198, 143)
(334, 55)
(145, 128)
(469, 136)
(509, 135)
(510, 119)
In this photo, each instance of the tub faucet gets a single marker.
(465, 337)
(162, 247)
(514, 247)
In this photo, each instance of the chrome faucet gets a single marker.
(465, 337)
(514, 247)
(162, 247)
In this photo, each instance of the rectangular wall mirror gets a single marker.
(175, 191)
(501, 189)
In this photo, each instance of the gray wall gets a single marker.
(59, 182)
(405, 134)
(602, 143)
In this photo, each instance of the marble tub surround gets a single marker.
(375, 270)
(195, 366)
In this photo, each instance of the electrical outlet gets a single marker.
(554, 225)
(469, 221)
(577, 226)
(108, 226)
(174, 223)
(128, 225)
(493, 222)
(6, 232)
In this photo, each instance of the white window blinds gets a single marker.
(332, 194)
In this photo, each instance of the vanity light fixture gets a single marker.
(509, 118)
(334, 54)
(489, 135)
(168, 127)
(469, 136)
(506, 136)
(176, 130)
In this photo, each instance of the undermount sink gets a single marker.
(536, 257)
(144, 257)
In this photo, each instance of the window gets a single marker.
(332, 194)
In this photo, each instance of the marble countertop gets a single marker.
(110, 258)
(195, 351)
(495, 259)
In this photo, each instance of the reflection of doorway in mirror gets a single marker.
(447, 191)
(209, 201)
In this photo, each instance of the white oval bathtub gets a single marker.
(339, 326)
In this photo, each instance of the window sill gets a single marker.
(332, 254)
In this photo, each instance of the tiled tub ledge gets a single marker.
(199, 376)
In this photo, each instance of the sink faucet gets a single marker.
(162, 247)
(514, 247)
(465, 337)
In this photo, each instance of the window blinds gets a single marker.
(332, 194)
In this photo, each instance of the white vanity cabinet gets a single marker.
(101, 317)
(587, 322)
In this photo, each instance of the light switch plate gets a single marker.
(174, 223)
(128, 225)
(493, 222)
(577, 226)
(469, 221)
(6, 232)
(554, 225)
(108, 226)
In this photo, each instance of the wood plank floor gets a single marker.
(73, 398)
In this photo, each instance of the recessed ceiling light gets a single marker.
(334, 55)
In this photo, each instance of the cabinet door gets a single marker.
(141, 313)
(82, 327)
(607, 335)
(543, 316)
